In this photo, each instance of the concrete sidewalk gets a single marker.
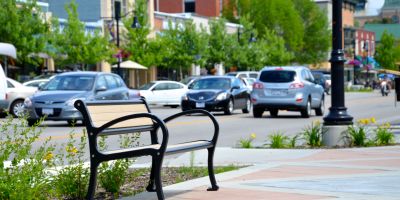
(293, 174)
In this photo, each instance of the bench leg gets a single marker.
(157, 177)
(214, 186)
(151, 187)
(92, 180)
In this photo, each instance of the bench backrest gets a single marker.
(101, 112)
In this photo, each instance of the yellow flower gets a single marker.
(72, 150)
(253, 136)
(317, 122)
(373, 120)
(48, 156)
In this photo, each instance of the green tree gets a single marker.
(142, 49)
(388, 51)
(21, 25)
(220, 43)
(317, 35)
(76, 47)
(184, 46)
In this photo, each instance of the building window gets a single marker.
(190, 6)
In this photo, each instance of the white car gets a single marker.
(16, 94)
(167, 93)
(36, 83)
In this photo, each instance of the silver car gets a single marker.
(56, 99)
(287, 88)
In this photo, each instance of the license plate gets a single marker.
(47, 111)
(278, 92)
(200, 105)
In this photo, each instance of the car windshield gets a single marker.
(250, 81)
(211, 83)
(277, 76)
(78, 83)
(146, 86)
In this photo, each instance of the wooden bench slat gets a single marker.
(188, 146)
(101, 114)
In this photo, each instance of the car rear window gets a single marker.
(277, 76)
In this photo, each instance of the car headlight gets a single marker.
(185, 97)
(27, 102)
(222, 96)
(72, 101)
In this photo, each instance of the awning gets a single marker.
(388, 71)
(8, 50)
(130, 65)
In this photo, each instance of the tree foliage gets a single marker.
(317, 35)
(302, 25)
(74, 46)
(219, 42)
(388, 51)
(21, 25)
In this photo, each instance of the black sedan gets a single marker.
(217, 93)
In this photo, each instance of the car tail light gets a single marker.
(258, 85)
(296, 85)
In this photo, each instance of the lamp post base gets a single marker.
(335, 136)
(338, 116)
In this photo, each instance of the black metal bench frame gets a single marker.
(155, 183)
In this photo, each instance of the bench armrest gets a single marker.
(157, 122)
(214, 121)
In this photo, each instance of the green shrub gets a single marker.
(313, 134)
(23, 173)
(292, 141)
(247, 142)
(383, 136)
(357, 134)
(71, 182)
(278, 140)
(112, 175)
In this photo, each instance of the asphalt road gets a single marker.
(239, 125)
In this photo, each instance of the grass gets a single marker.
(359, 90)
(278, 140)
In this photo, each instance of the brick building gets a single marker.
(207, 8)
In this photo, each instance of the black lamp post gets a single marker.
(135, 24)
(337, 112)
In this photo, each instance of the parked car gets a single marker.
(243, 74)
(320, 78)
(37, 83)
(16, 94)
(328, 83)
(248, 82)
(56, 99)
(217, 93)
(166, 93)
(287, 88)
(3, 90)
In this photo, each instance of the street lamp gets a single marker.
(337, 112)
(135, 24)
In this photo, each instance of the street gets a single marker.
(239, 125)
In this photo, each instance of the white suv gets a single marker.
(287, 88)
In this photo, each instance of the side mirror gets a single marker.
(101, 88)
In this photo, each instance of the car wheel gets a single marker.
(17, 108)
(248, 106)
(258, 112)
(229, 108)
(306, 112)
(321, 109)
(274, 112)
(32, 122)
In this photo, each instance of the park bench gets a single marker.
(122, 117)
